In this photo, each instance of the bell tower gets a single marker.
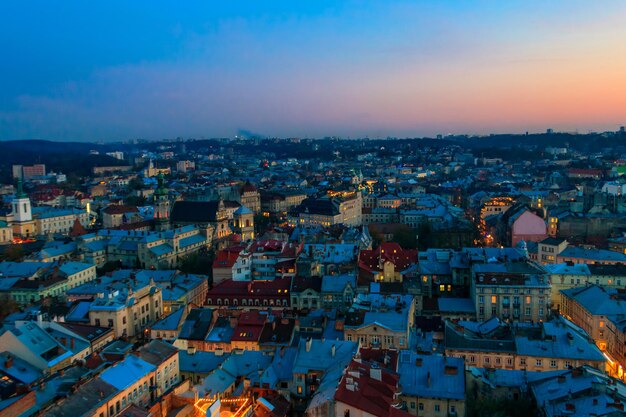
(162, 205)
(23, 224)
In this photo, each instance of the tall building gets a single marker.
(244, 223)
(162, 206)
(23, 223)
(26, 172)
(250, 197)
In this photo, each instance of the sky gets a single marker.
(118, 70)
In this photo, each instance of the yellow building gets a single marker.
(128, 311)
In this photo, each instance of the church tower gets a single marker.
(244, 223)
(23, 224)
(162, 205)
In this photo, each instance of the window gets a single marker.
(522, 361)
(568, 364)
(481, 299)
(527, 311)
(110, 322)
(494, 299)
(528, 299)
(539, 362)
(552, 363)
(421, 407)
(97, 322)
(437, 408)
(299, 390)
(452, 409)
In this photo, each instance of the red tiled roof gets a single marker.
(243, 333)
(585, 171)
(230, 287)
(252, 318)
(77, 229)
(367, 393)
(226, 258)
(389, 251)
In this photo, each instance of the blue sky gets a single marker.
(77, 70)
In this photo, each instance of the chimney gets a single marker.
(8, 363)
(332, 350)
(309, 342)
(451, 370)
(72, 343)
(595, 401)
(570, 407)
(418, 361)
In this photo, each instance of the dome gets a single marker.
(242, 210)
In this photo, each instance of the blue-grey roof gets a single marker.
(200, 361)
(456, 305)
(169, 322)
(597, 300)
(337, 283)
(595, 254)
(565, 269)
(71, 268)
(563, 340)
(21, 269)
(319, 357)
(243, 210)
(246, 364)
(414, 377)
(127, 372)
(80, 312)
(281, 368)
(39, 342)
(191, 240)
(49, 212)
(21, 370)
(162, 249)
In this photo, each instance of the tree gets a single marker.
(406, 237)
(136, 184)
(200, 262)
(7, 306)
(13, 253)
(134, 200)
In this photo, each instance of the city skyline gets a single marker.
(90, 72)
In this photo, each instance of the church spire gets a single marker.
(20, 189)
